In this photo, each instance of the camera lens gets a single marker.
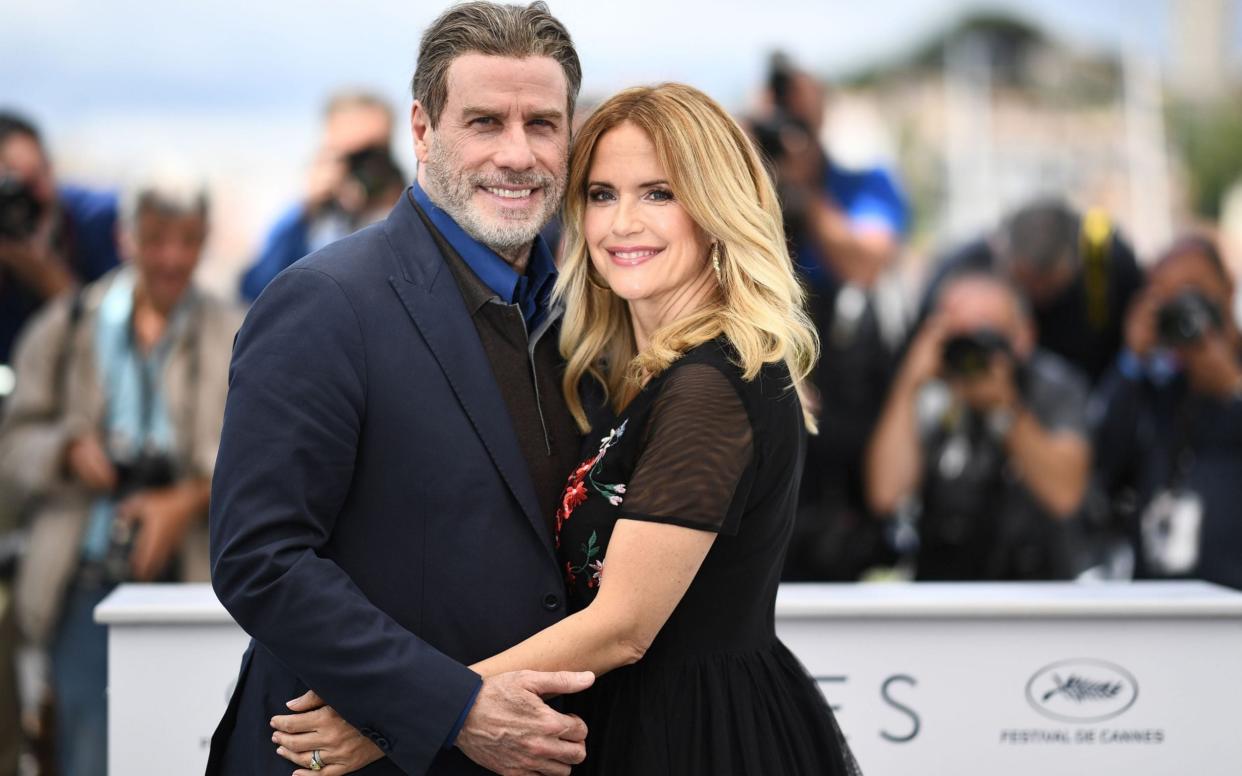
(19, 209)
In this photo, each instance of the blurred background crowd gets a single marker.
(1020, 230)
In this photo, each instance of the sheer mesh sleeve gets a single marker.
(695, 465)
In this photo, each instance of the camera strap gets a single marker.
(1171, 522)
(148, 381)
(1181, 457)
(61, 374)
(142, 362)
(1095, 241)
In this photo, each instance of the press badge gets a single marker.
(1170, 527)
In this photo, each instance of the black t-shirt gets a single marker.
(978, 519)
(702, 448)
(1160, 439)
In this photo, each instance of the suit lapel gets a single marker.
(434, 303)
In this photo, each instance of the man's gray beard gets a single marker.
(454, 192)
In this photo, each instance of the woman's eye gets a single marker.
(599, 195)
(660, 195)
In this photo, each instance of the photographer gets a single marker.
(373, 183)
(353, 121)
(51, 237)
(1077, 272)
(845, 224)
(987, 434)
(108, 443)
(845, 228)
(1168, 422)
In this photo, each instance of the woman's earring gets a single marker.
(716, 260)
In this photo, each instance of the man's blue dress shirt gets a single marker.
(530, 291)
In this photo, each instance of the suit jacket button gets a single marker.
(382, 743)
(551, 602)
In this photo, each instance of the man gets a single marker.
(1078, 273)
(1169, 422)
(108, 443)
(51, 237)
(845, 227)
(396, 441)
(988, 435)
(847, 224)
(353, 122)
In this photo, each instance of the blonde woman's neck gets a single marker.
(647, 316)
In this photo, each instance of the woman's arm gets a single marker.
(649, 564)
(648, 568)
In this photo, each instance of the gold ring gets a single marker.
(316, 761)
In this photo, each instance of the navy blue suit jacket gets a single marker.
(374, 527)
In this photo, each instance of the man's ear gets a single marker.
(421, 130)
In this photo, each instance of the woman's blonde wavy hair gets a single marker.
(717, 175)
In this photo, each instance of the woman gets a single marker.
(682, 308)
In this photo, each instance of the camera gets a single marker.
(372, 182)
(1186, 318)
(375, 170)
(970, 355)
(20, 211)
(776, 135)
(145, 472)
(780, 139)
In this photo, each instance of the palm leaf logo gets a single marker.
(1079, 689)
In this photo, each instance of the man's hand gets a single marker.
(163, 517)
(511, 731)
(35, 263)
(1212, 366)
(326, 174)
(925, 355)
(87, 462)
(802, 163)
(1140, 330)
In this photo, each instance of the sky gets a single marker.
(66, 57)
(241, 82)
(75, 63)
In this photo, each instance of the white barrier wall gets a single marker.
(1139, 679)
(1027, 680)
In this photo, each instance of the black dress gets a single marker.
(716, 693)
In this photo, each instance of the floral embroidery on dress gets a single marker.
(593, 568)
(576, 489)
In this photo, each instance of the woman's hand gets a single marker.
(316, 726)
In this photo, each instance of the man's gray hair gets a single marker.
(349, 99)
(167, 189)
(1041, 234)
(989, 277)
(497, 30)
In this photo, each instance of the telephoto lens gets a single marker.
(19, 209)
(970, 354)
(1184, 319)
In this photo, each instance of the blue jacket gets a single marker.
(288, 241)
(90, 245)
(373, 523)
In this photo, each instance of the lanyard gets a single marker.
(146, 364)
(1181, 456)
